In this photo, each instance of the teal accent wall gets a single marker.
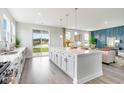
(101, 35)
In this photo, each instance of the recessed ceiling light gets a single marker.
(60, 19)
(39, 13)
(75, 33)
(106, 22)
(89, 29)
(61, 36)
(67, 15)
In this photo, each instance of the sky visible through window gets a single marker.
(39, 36)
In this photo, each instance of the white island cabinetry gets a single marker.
(68, 64)
(81, 65)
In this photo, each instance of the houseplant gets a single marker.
(17, 42)
(92, 42)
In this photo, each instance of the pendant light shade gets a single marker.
(60, 21)
(75, 33)
(67, 20)
(76, 15)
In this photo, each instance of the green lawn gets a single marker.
(36, 50)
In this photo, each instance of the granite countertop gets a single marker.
(77, 51)
(12, 57)
(82, 52)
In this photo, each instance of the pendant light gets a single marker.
(76, 9)
(67, 15)
(61, 36)
(67, 20)
(61, 21)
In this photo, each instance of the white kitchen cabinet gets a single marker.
(76, 63)
(52, 56)
(64, 61)
(17, 66)
(50, 53)
(70, 65)
(56, 58)
(21, 62)
(22, 59)
(59, 59)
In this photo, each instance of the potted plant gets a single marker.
(17, 42)
(92, 42)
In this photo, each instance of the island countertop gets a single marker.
(77, 51)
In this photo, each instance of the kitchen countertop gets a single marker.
(77, 51)
(11, 57)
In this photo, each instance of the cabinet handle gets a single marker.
(65, 60)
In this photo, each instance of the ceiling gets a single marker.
(87, 18)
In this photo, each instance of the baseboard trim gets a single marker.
(90, 77)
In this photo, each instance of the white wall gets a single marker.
(24, 33)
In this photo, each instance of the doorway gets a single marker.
(40, 41)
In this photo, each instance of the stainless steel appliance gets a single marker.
(8, 73)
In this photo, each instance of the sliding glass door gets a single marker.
(44, 43)
(40, 41)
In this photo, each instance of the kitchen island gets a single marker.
(81, 65)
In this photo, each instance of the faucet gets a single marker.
(4, 46)
(7, 47)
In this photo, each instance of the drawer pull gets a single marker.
(65, 59)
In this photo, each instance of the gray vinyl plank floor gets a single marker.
(39, 70)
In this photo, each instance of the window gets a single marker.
(86, 37)
(68, 35)
(12, 33)
(111, 41)
(5, 28)
(8, 30)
